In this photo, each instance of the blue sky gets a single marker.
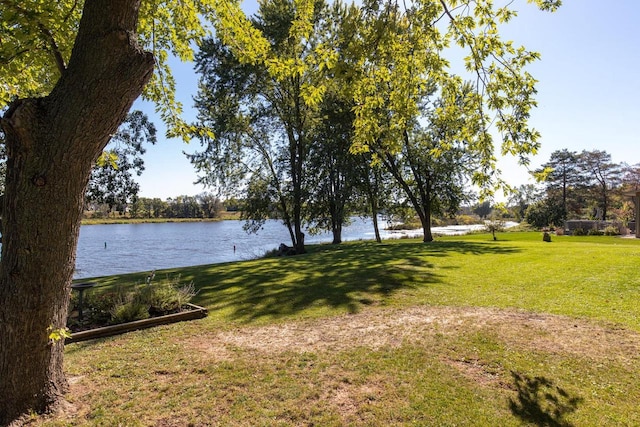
(588, 91)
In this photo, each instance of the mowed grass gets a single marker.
(460, 331)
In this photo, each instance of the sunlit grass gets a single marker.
(578, 276)
(451, 371)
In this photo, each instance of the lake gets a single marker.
(126, 248)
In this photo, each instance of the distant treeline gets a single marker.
(203, 205)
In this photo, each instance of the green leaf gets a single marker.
(58, 334)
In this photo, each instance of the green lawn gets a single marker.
(461, 331)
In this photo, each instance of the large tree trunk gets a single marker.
(336, 231)
(426, 228)
(337, 219)
(52, 143)
(425, 218)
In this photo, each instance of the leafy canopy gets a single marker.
(38, 35)
(396, 54)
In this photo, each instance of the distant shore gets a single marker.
(125, 220)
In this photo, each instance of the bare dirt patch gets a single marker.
(480, 373)
(381, 328)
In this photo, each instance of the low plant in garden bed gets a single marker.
(123, 304)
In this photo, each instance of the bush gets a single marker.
(611, 231)
(104, 301)
(101, 304)
(543, 213)
(594, 232)
(579, 232)
(164, 297)
(128, 312)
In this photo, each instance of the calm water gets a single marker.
(127, 248)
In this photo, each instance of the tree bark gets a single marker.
(337, 216)
(425, 220)
(374, 215)
(336, 231)
(52, 143)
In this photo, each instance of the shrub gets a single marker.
(164, 297)
(104, 301)
(579, 232)
(128, 312)
(611, 231)
(595, 232)
(542, 213)
(102, 304)
(271, 253)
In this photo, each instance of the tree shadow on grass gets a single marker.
(345, 276)
(541, 402)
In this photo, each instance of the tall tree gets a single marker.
(483, 210)
(331, 164)
(602, 175)
(184, 207)
(112, 181)
(210, 204)
(562, 180)
(263, 112)
(244, 158)
(70, 70)
(397, 53)
(333, 167)
(374, 186)
(631, 176)
(434, 164)
(52, 142)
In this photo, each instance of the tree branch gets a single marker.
(57, 56)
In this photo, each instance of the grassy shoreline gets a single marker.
(462, 331)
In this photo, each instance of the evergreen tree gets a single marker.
(562, 181)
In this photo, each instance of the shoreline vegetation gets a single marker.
(226, 215)
(464, 330)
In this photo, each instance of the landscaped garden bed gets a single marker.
(97, 313)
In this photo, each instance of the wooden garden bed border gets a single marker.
(195, 312)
